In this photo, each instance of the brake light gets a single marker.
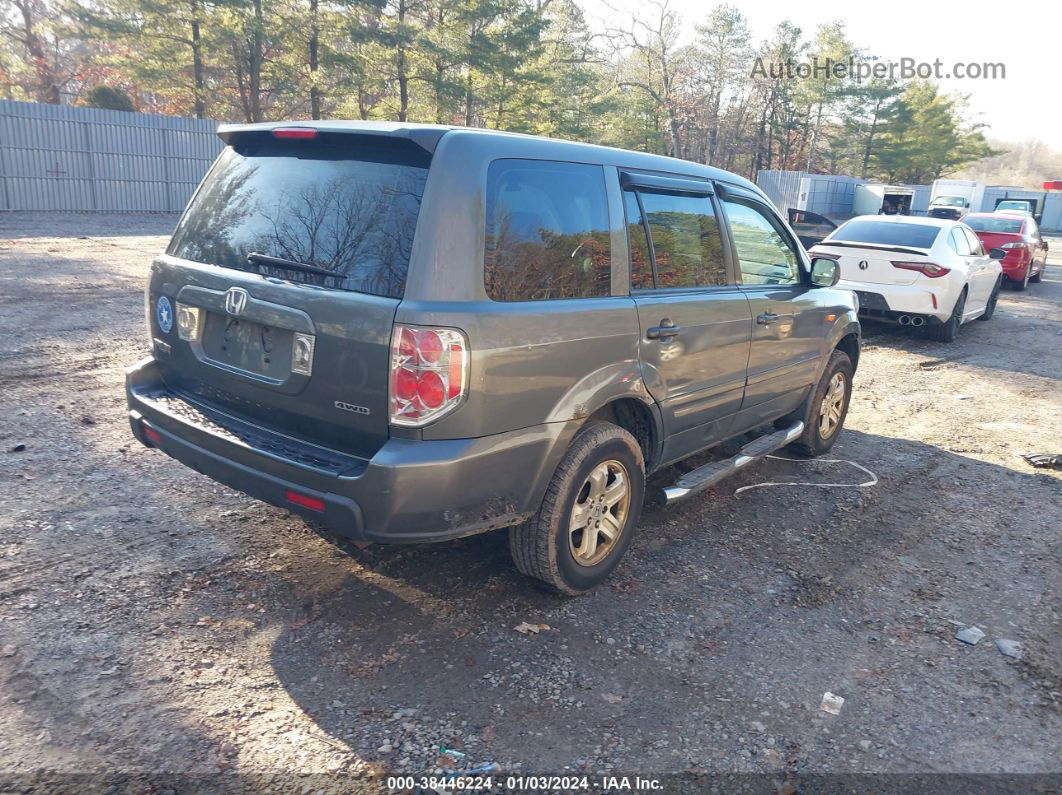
(429, 373)
(930, 269)
(152, 435)
(1014, 245)
(294, 132)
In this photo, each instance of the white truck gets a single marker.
(953, 198)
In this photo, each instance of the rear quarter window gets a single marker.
(348, 205)
(883, 233)
(547, 231)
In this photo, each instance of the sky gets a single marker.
(1025, 36)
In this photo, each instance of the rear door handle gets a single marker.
(766, 318)
(666, 330)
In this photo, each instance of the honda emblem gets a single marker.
(235, 300)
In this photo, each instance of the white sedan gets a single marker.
(929, 272)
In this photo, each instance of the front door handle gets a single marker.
(665, 331)
(766, 318)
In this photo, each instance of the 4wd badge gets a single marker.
(351, 407)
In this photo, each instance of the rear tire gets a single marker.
(584, 497)
(949, 329)
(1019, 286)
(1039, 274)
(990, 307)
(827, 407)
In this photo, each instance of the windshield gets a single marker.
(348, 207)
(1003, 226)
(1009, 205)
(950, 201)
(883, 233)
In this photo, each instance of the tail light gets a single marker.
(429, 373)
(930, 269)
(1014, 245)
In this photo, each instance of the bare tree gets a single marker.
(25, 31)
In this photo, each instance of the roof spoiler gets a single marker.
(427, 138)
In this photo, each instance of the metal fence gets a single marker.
(54, 157)
(832, 196)
(826, 194)
(782, 187)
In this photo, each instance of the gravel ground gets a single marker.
(152, 620)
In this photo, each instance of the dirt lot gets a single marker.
(151, 620)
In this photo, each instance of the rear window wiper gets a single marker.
(255, 258)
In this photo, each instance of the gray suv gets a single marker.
(416, 333)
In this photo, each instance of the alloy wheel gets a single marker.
(832, 405)
(599, 513)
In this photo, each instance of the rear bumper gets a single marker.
(1015, 268)
(409, 491)
(892, 300)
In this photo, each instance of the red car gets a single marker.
(1019, 237)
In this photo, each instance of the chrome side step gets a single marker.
(708, 475)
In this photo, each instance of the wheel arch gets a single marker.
(636, 414)
(850, 345)
(639, 419)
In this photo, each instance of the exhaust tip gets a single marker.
(918, 321)
(904, 320)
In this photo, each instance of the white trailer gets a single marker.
(875, 199)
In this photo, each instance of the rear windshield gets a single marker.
(1002, 226)
(883, 233)
(348, 206)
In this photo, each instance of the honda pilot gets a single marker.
(415, 333)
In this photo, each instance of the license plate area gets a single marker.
(246, 345)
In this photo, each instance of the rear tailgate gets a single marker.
(300, 351)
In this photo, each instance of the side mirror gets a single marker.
(825, 272)
(997, 253)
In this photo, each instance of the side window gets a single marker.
(975, 243)
(686, 243)
(641, 260)
(959, 242)
(547, 231)
(765, 254)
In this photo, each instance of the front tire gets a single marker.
(949, 329)
(826, 409)
(588, 515)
